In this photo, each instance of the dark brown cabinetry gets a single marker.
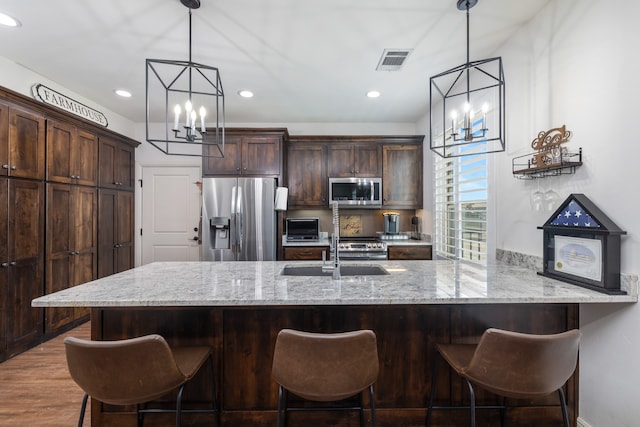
(305, 252)
(412, 252)
(250, 152)
(402, 176)
(353, 160)
(307, 175)
(21, 263)
(115, 231)
(22, 152)
(72, 248)
(116, 164)
(72, 154)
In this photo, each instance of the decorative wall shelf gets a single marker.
(550, 159)
(524, 169)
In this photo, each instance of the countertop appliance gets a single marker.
(238, 219)
(391, 223)
(355, 192)
(362, 248)
(302, 229)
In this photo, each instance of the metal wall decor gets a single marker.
(551, 158)
(185, 105)
(467, 105)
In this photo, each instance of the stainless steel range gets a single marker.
(362, 248)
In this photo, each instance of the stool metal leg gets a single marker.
(472, 403)
(373, 406)
(361, 409)
(563, 404)
(83, 409)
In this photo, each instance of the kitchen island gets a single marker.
(238, 308)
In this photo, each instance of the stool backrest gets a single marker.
(521, 365)
(123, 372)
(325, 367)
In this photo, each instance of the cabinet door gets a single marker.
(417, 252)
(367, 160)
(305, 253)
(26, 144)
(60, 148)
(26, 264)
(85, 158)
(4, 262)
(85, 259)
(115, 165)
(307, 177)
(227, 165)
(107, 201)
(124, 231)
(261, 155)
(402, 176)
(60, 251)
(4, 140)
(340, 160)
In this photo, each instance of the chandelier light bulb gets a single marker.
(187, 109)
(203, 113)
(177, 110)
(485, 108)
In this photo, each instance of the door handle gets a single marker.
(195, 238)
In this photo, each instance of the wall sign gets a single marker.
(51, 97)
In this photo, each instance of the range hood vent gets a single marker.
(393, 59)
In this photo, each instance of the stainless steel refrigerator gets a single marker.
(238, 219)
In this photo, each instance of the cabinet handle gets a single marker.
(4, 265)
(13, 264)
(5, 166)
(77, 176)
(13, 168)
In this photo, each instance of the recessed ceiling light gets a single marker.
(8, 21)
(123, 93)
(373, 94)
(245, 93)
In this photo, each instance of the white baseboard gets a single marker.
(582, 423)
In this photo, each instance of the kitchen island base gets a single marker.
(243, 339)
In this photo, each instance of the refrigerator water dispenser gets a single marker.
(220, 232)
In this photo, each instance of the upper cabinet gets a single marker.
(312, 160)
(72, 154)
(116, 164)
(22, 143)
(353, 160)
(248, 152)
(307, 175)
(402, 176)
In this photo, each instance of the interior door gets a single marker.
(170, 214)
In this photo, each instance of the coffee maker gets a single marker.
(391, 223)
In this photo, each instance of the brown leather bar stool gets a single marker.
(512, 365)
(136, 371)
(325, 368)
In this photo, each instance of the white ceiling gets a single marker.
(305, 60)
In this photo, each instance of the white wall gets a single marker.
(576, 64)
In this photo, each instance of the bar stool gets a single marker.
(512, 365)
(325, 368)
(136, 371)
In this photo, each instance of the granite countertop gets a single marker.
(259, 283)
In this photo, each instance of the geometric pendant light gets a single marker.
(467, 105)
(184, 105)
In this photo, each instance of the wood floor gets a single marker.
(36, 389)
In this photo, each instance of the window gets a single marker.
(460, 204)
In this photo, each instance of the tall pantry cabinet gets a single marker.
(50, 186)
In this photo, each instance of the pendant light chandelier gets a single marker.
(467, 105)
(185, 105)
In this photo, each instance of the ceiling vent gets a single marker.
(393, 59)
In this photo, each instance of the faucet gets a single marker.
(335, 241)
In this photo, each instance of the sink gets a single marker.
(345, 270)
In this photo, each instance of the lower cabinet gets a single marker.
(115, 231)
(72, 247)
(21, 264)
(292, 253)
(412, 252)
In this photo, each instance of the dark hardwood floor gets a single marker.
(36, 389)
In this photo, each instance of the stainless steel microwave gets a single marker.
(356, 192)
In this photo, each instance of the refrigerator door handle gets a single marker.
(239, 219)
